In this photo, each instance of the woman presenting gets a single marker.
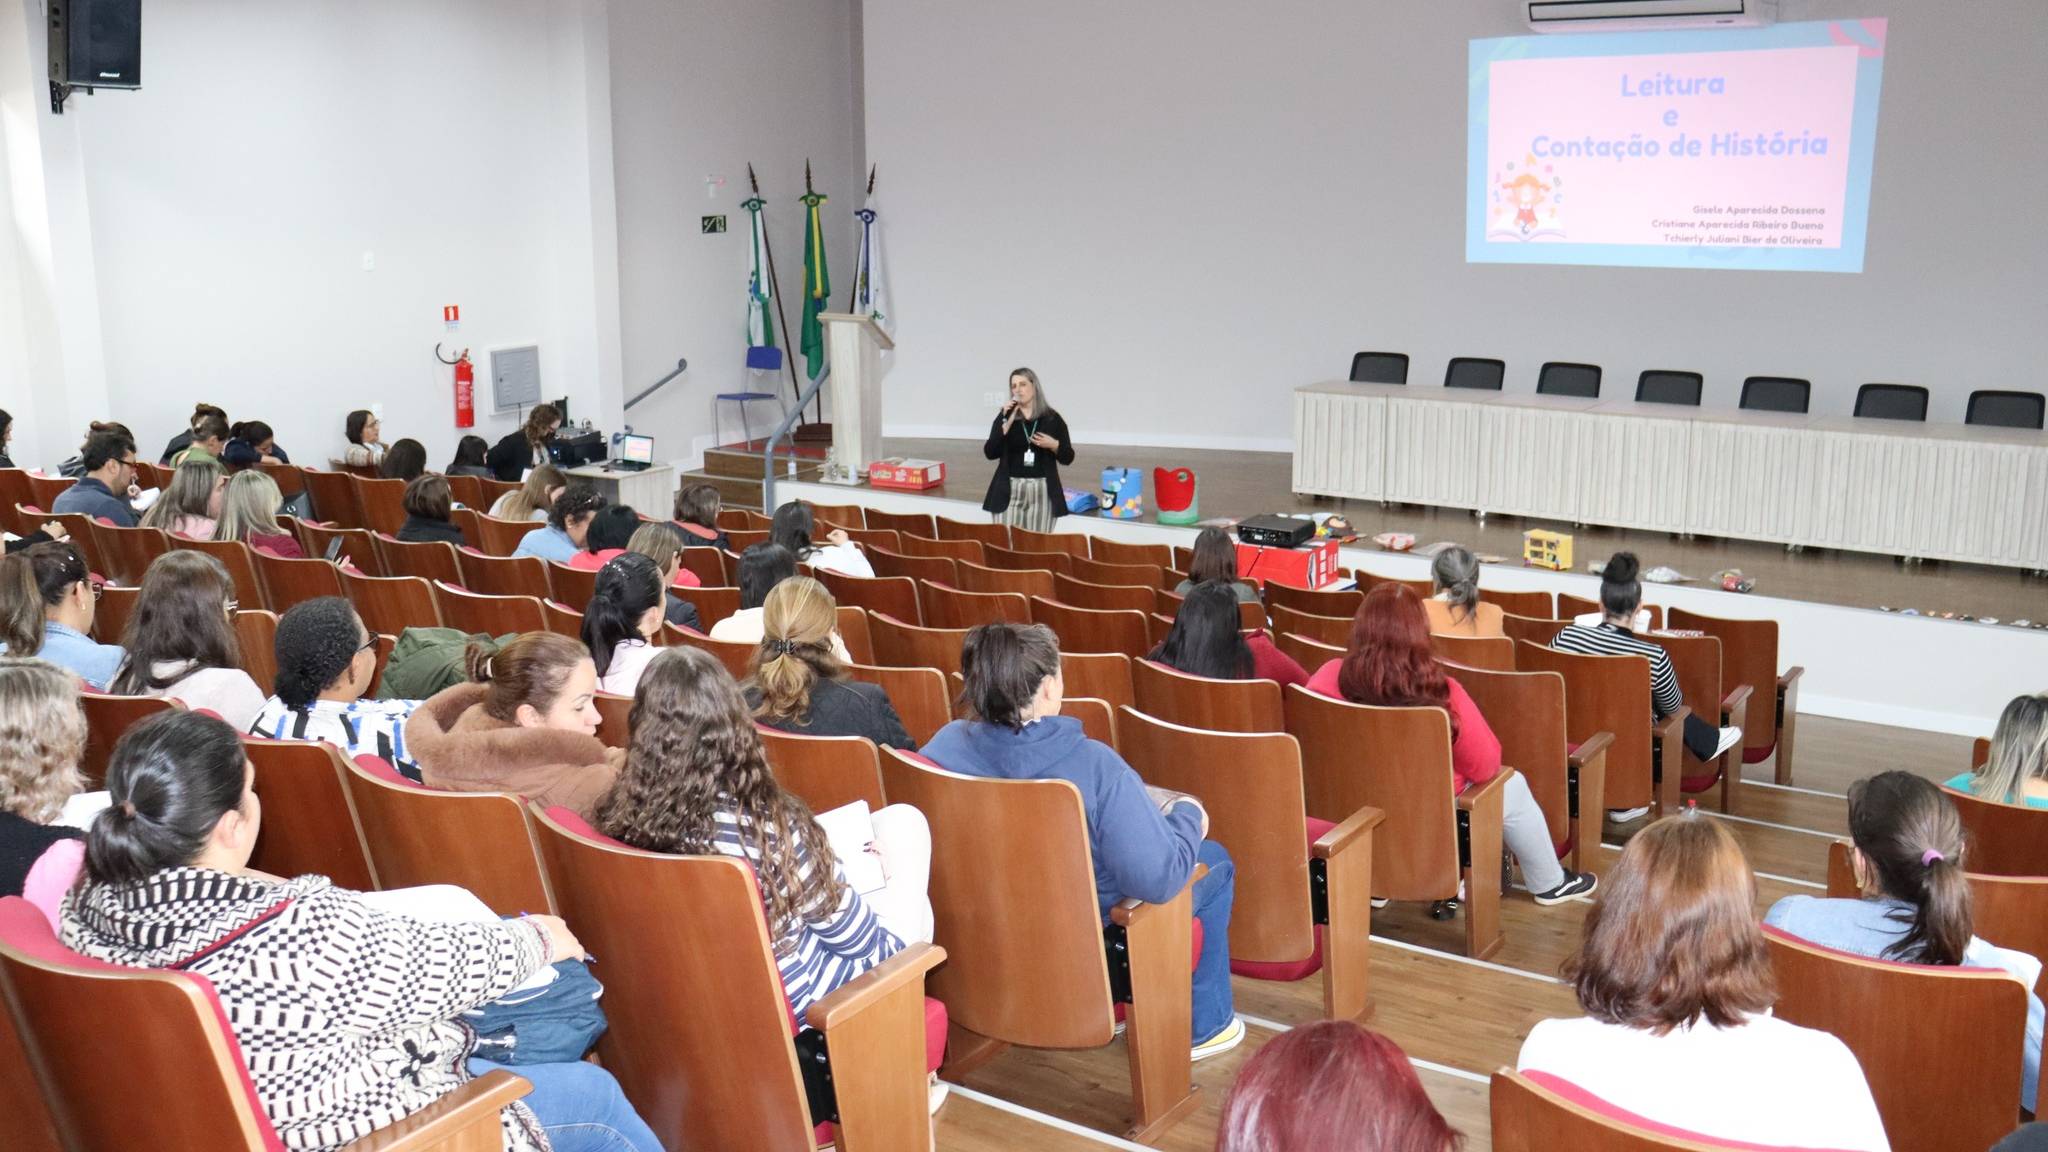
(1028, 441)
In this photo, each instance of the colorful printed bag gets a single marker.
(1174, 489)
(1123, 493)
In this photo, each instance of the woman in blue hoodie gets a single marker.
(1146, 842)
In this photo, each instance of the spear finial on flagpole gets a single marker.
(871, 179)
(808, 191)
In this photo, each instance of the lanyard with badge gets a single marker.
(1030, 453)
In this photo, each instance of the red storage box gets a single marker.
(1309, 567)
(909, 475)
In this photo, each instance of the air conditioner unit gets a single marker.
(1648, 15)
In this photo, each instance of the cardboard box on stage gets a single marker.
(1309, 567)
(908, 475)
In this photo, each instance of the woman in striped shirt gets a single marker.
(326, 663)
(696, 781)
(1621, 593)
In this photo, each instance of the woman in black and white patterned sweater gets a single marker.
(347, 1017)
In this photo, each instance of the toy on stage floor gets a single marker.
(1123, 493)
(1174, 490)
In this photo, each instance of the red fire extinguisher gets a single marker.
(465, 387)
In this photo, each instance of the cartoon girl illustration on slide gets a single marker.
(1526, 192)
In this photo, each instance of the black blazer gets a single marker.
(419, 530)
(1008, 451)
(845, 708)
(510, 457)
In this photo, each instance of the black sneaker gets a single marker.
(1575, 884)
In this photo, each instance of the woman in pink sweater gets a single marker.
(1390, 664)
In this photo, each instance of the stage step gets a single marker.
(744, 491)
(745, 464)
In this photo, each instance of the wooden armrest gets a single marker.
(1476, 794)
(856, 995)
(1130, 913)
(1594, 745)
(1791, 676)
(474, 1105)
(1671, 729)
(1737, 699)
(1341, 837)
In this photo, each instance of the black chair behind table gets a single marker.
(1475, 372)
(1380, 368)
(1662, 386)
(1776, 394)
(1563, 378)
(1892, 402)
(2006, 409)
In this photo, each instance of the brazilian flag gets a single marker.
(817, 287)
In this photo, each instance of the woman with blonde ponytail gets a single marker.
(1908, 858)
(800, 683)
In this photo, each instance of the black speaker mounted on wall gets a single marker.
(94, 44)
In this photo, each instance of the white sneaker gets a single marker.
(1380, 902)
(1624, 815)
(939, 1089)
(1230, 1037)
(1730, 738)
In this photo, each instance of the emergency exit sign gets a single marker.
(713, 224)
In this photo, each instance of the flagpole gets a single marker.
(775, 288)
(860, 266)
(817, 401)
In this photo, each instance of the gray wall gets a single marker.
(1178, 212)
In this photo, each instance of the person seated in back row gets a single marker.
(696, 517)
(800, 684)
(1208, 639)
(2015, 771)
(658, 544)
(429, 506)
(533, 498)
(1456, 609)
(567, 528)
(469, 458)
(181, 640)
(609, 533)
(106, 482)
(762, 567)
(248, 513)
(326, 665)
(1215, 561)
(1908, 860)
(1621, 596)
(48, 603)
(1145, 845)
(793, 528)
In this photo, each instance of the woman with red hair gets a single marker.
(1391, 665)
(1331, 1086)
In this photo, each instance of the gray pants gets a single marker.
(1029, 507)
(1527, 836)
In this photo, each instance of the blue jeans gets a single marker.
(580, 1106)
(1213, 894)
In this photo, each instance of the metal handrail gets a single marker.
(789, 419)
(681, 365)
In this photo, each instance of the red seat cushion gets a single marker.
(1194, 959)
(1759, 755)
(1699, 783)
(1584, 1099)
(1290, 970)
(378, 767)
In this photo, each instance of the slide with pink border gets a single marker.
(1727, 148)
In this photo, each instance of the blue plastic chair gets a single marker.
(759, 359)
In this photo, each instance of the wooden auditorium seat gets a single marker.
(870, 538)
(1367, 581)
(1074, 544)
(902, 645)
(1749, 655)
(1569, 606)
(391, 604)
(947, 607)
(949, 549)
(124, 554)
(469, 522)
(110, 617)
(713, 604)
(736, 655)
(1084, 630)
(937, 569)
(2008, 911)
(1134, 575)
(1098, 675)
(309, 821)
(1540, 605)
(482, 841)
(238, 559)
(848, 516)
(106, 718)
(1016, 913)
(1537, 1112)
(1307, 651)
(2004, 839)
(1696, 662)
(708, 565)
(358, 545)
(289, 582)
(1535, 630)
(614, 724)
(429, 560)
(1398, 760)
(730, 518)
(855, 633)
(491, 615)
(1341, 603)
(468, 491)
(1303, 899)
(1950, 1082)
(488, 575)
(1495, 653)
(571, 586)
(1611, 694)
(1022, 582)
(895, 595)
(827, 771)
(1526, 711)
(1112, 552)
(196, 1093)
(1251, 614)
(1199, 702)
(687, 955)
(995, 557)
(30, 1126)
(256, 637)
(993, 534)
(501, 537)
(563, 620)
(918, 694)
(1103, 597)
(1333, 630)
(382, 503)
(1098, 723)
(903, 523)
(334, 497)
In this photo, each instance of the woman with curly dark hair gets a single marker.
(696, 782)
(326, 665)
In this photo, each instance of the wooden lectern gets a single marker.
(853, 349)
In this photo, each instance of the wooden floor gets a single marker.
(1237, 484)
(1457, 1019)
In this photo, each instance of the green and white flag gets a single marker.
(760, 293)
(817, 286)
(870, 284)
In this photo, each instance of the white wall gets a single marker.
(1179, 212)
(463, 143)
(698, 91)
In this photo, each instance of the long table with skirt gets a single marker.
(1931, 491)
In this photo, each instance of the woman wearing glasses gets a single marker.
(181, 640)
(326, 663)
(47, 605)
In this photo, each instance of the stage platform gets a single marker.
(1864, 664)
